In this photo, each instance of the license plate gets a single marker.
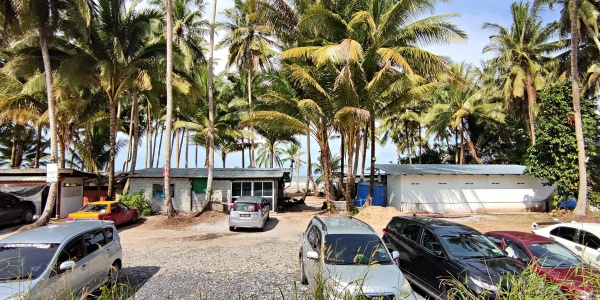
(245, 215)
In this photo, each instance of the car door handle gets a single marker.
(83, 266)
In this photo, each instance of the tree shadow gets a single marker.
(136, 277)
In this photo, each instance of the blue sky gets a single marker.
(473, 13)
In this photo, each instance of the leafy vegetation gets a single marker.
(137, 200)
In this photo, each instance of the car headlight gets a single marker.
(586, 296)
(484, 285)
(405, 291)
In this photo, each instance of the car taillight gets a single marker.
(258, 206)
(69, 218)
(233, 206)
(385, 231)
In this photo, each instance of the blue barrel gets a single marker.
(378, 193)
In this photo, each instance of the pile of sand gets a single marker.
(377, 216)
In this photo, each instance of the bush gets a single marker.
(138, 201)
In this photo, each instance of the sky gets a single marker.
(473, 14)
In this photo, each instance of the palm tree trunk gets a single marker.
(156, 131)
(455, 147)
(252, 158)
(271, 154)
(36, 160)
(243, 152)
(177, 148)
(63, 155)
(136, 136)
(162, 133)
(420, 143)
(531, 100)
(187, 147)
(168, 125)
(357, 152)
(53, 191)
(112, 144)
(211, 114)
(308, 163)
(13, 153)
(196, 156)
(182, 136)
(364, 153)
(372, 175)
(223, 157)
(473, 151)
(349, 177)
(129, 141)
(341, 174)
(581, 207)
(462, 141)
(148, 137)
(408, 145)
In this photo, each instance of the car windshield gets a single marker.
(554, 255)
(355, 249)
(101, 208)
(470, 245)
(241, 206)
(20, 261)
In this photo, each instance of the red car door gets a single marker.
(116, 214)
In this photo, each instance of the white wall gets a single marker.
(181, 199)
(466, 193)
(71, 195)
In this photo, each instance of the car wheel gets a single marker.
(268, 217)
(27, 216)
(231, 228)
(303, 279)
(113, 274)
(134, 218)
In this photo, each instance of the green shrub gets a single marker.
(594, 199)
(137, 200)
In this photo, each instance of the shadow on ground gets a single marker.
(136, 277)
(269, 225)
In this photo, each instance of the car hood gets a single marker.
(376, 279)
(571, 278)
(491, 269)
(12, 288)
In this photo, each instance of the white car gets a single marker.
(581, 238)
(249, 212)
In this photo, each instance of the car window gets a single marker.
(25, 260)
(514, 250)
(101, 208)
(108, 232)
(553, 255)
(470, 245)
(566, 233)
(242, 206)
(411, 232)
(430, 242)
(73, 251)
(589, 239)
(314, 238)
(114, 207)
(94, 241)
(355, 249)
(395, 226)
(122, 206)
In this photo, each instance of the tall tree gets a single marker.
(523, 57)
(211, 114)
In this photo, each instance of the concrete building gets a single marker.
(462, 188)
(31, 185)
(188, 186)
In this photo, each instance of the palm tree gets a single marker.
(249, 38)
(292, 154)
(169, 117)
(211, 116)
(523, 59)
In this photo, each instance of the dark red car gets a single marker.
(550, 259)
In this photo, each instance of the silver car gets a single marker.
(249, 212)
(344, 258)
(57, 261)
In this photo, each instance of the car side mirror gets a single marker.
(312, 255)
(67, 265)
(395, 254)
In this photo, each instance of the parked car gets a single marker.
(249, 212)
(434, 252)
(550, 259)
(581, 238)
(349, 258)
(57, 261)
(13, 209)
(114, 211)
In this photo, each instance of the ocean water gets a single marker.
(301, 182)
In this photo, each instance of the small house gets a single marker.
(442, 188)
(188, 186)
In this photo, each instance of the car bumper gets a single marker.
(245, 224)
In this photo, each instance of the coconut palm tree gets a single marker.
(293, 154)
(523, 57)
(249, 37)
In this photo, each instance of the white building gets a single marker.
(188, 186)
(463, 188)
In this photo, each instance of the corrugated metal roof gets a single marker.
(395, 169)
(221, 173)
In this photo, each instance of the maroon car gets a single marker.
(550, 259)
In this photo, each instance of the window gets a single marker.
(236, 189)
(73, 251)
(108, 232)
(258, 186)
(94, 241)
(430, 242)
(414, 183)
(589, 240)
(411, 232)
(566, 233)
(246, 188)
(122, 206)
(395, 227)
(267, 188)
(515, 251)
(159, 193)
(314, 238)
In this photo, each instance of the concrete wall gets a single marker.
(182, 200)
(71, 195)
(466, 193)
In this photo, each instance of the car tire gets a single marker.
(268, 217)
(303, 279)
(134, 218)
(231, 228)
(113, 275)
(27, 216)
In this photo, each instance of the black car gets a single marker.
(13, 209)
(433, 252)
